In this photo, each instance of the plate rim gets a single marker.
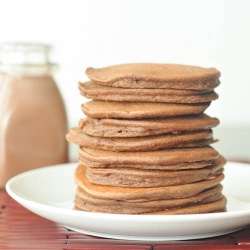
(185, 218)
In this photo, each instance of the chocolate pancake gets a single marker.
(145, 127)
(143, 193)
(139, 110)
(127, 177)
(177, 140)
(210, 207)
(87, 202)
(100, 158)
(99, 92)
(149, 75)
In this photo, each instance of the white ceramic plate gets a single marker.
(49, 192)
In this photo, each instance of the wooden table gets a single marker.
(21, 229)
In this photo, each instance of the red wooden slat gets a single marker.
(21, 229)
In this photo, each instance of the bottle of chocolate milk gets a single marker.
(33, 120)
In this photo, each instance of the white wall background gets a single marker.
(97, 33)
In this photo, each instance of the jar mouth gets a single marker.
(29, 69)
(24, 48)
(24, 57)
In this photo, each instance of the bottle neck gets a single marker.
(26, 59)
(27, 69)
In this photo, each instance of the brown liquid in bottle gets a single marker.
(33, 121)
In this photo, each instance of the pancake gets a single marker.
(210, 207)
(100, 158)
(98, 92)
(127, 177)
(143, 193)
(84, 201)
(139, 110)
(149, 75)
(178, 140)
(145, 127)
(176, 166)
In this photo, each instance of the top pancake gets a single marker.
(149, 75)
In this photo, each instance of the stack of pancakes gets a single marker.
(144, 146)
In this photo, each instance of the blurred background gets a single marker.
(98, 33)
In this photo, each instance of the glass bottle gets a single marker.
(33, 120)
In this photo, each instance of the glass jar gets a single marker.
(33, 120)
